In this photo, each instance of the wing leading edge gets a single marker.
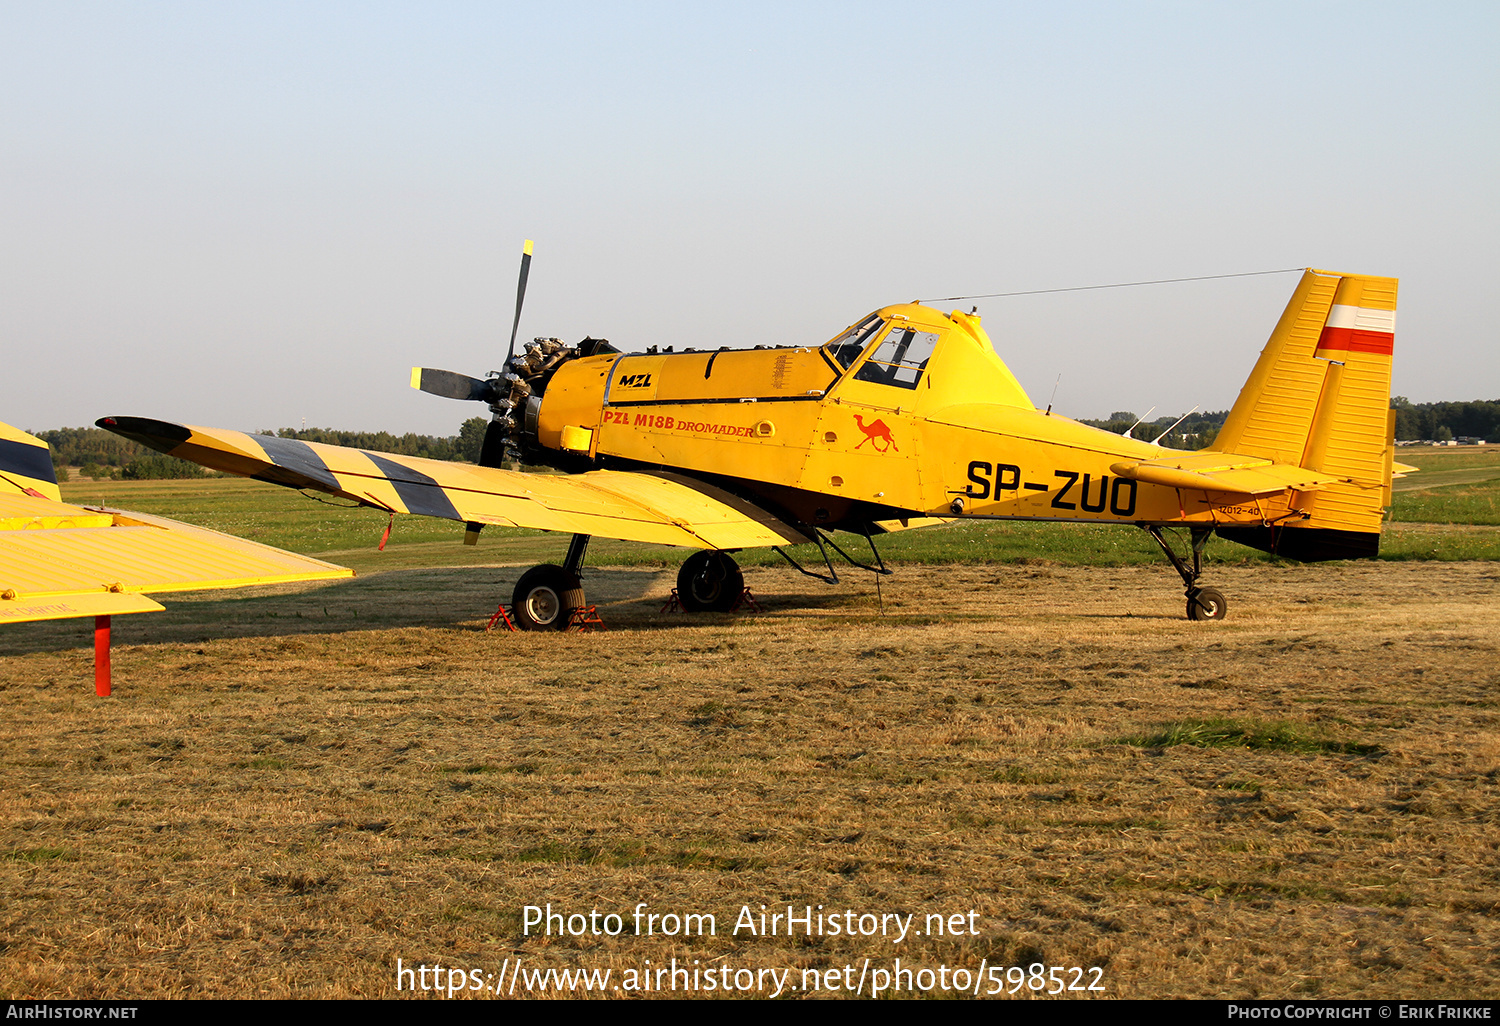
(652, 508)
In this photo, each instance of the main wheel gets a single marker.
(545, 598)
(709, 582)
(1206, 604)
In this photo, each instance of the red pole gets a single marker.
(101, 656)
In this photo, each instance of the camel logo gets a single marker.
(875, 434)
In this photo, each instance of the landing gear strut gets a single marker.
(1202, 603)
(546, 595)
(709, 582)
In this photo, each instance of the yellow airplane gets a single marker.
(58, 560)
(906, 418)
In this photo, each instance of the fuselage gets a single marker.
(908, 414)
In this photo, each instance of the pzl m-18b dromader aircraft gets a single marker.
(906, 418)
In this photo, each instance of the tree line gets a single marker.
(1197, 430)
(103, 454)
(1415, 422)
(1442, 422)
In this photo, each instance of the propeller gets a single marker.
(452, 385)
(492, 453)
(520, 298)
(494, 390)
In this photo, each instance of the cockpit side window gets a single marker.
(847, 347)
(900, 359)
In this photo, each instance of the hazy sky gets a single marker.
(248, 215)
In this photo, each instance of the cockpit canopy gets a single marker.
(846, 348)
(895, 347)
(898, 358)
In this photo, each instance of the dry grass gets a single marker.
(289, 792)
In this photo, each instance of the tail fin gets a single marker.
(26, 465)
(1319, 398)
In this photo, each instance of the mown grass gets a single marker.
(1227, 732)
(1464, 488)
(1438, 458)
(627, 855)
(42, 854)
(286, 805)
(1477, 503)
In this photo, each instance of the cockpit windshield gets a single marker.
(847, 347)
(900, 359)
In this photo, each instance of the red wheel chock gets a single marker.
(746, 601)
(586, 619)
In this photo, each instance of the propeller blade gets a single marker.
(492, 453)
(520, 298)
(450, 384)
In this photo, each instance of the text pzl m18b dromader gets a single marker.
(906, 418)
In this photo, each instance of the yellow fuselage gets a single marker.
(917, 418)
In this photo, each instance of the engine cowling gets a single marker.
(522, 386)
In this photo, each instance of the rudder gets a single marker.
(1319, 398)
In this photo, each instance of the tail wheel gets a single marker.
(1206, 604)
(545, 598)
(709, 582)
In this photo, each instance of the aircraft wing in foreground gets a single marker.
(58, 560)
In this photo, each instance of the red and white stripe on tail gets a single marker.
(1357, 329)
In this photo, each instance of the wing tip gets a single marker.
(161, 435)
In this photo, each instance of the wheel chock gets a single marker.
(501, 614)
(746, 601)
(587, 619)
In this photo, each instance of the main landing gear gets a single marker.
(709, 582)
(1202, 603)
(546, 595)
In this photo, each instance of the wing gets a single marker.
(661, 509)
(58, 560)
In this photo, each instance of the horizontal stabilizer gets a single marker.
(1221, 472)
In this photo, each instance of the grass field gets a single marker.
(290, 792)
(292, 789)
(1460, 485)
